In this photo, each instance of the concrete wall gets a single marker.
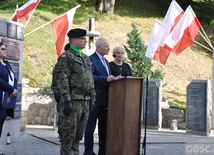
(168, 115)
(39, 109)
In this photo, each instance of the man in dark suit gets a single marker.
(102, 76)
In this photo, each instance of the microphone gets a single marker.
(114, 55)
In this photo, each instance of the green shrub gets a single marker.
(140, 64)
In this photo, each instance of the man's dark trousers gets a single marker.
(100, 113)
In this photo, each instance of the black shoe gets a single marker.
(89, 153)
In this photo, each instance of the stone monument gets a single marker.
(199, 107)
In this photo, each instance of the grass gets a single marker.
(40, 54)
(179, 105)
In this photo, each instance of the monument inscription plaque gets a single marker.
(11, 30)
(196, 105)
(3, 28)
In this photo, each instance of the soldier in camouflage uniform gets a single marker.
(55, 89)
(76, 88)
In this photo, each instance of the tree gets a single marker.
(105, 6)
(136, 51)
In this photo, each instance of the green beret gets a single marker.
(75, 33)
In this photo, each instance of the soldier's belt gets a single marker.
(81, 92)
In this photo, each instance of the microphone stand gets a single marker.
(145, 126)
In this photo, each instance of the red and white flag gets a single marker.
(183, 35)
(26, 10)
(173, 15)
(61, 26)
(155, 49)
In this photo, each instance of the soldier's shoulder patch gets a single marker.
(63, 56)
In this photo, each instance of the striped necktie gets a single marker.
(105, 65)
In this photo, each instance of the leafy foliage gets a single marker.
(212, 22)
(136, 50)
(47, 88)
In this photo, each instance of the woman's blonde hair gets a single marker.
(118, 49)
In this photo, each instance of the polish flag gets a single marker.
(26, 10)
(152, 46)
(173, 15)
(155, 49)
(183, 35)
(61, 27)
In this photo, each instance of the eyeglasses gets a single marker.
(3, 49)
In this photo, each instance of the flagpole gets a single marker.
(49, 22)
(201, 44)
(31, 14)
(17, 7)
(204, 46)
(39, 27)
(205, 38)
(29, 18)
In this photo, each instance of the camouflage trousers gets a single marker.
(58, 121)
(73, 127)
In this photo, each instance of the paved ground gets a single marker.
(42, 140)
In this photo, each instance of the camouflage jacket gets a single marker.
(75, 79)
(54, 85)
